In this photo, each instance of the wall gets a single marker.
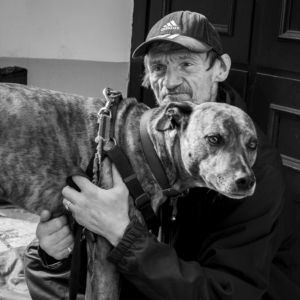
(72, 46)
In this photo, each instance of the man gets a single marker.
(218, 248)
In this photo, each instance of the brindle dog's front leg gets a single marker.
(103, 280)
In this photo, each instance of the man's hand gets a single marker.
(104, 212)
(55, 235)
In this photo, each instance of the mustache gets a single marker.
(177, 90)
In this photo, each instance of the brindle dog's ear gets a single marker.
(174, 114)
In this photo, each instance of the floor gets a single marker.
(17, 230)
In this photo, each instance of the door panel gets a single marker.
(284, 130)
(279, 42)
(271, 89)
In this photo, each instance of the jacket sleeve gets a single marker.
(45, 281)
(47, 278)
(234, 261)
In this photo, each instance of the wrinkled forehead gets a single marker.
(224, 121)
(175, 55)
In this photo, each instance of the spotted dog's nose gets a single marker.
(245, 182)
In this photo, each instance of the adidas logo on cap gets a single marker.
(169, 26)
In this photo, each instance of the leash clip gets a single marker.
(104, 111)
(109, 95)
(105, 115)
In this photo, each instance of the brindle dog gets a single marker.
(45, 133)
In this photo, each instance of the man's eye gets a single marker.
(186, 64)
(157, 69)
(213, 140)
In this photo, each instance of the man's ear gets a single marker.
(173, 115)
(221, 71)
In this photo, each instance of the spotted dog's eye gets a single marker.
(253, 145)
(213, 140)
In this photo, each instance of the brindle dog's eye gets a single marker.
(253, 145)
(213, 140)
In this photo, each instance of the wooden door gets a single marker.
(262, 38)
(274, 102)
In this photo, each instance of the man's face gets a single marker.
(181, 75)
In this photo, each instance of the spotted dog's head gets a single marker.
(218, 145)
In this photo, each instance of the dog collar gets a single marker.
(153, 160)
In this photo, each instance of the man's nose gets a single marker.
(172, 79)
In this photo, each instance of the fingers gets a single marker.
(72, 195)
(85, 185)
(116, 176)
(68, 204)
(45, 216)
(119, 185)
(82, 182)
(55, 238)
(46, 228)
(60, 250)
(70, 248)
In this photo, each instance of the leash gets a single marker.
(106, 129)
(155, 163)
(106, 120)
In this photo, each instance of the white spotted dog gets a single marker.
(44, 133)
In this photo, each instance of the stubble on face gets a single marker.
(194, 82)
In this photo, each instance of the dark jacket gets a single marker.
(218, 248)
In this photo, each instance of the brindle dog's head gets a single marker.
(218, 145)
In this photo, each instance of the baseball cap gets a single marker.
(189, 29)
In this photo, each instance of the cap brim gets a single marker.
(185, 41)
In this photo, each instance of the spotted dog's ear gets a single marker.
(174, 115)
